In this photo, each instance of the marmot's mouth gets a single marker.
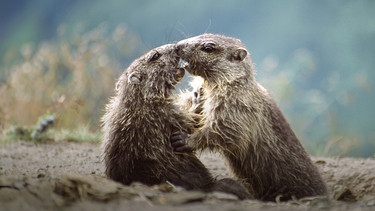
(186, 66)
(176, 77)
(182, 63)
(180, 73)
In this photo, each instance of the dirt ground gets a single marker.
(69, 176)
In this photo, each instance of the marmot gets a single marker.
(138, 124)
(241, 120)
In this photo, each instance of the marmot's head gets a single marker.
(153, 75)
(216, 58)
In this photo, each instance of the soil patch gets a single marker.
(69, 176)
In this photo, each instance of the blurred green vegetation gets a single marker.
(71, 78)
(315, 57)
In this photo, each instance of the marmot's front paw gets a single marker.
(178, 142)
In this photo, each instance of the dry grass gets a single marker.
(71, 79)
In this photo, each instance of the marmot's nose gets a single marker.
(180, 47)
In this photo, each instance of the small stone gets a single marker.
(321, 202)
(371, 203)
(180, 198)
(19, 185)
(343, 193)
(223, 196)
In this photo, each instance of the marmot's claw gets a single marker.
(178, 136)
(184, 149)
(178, 142)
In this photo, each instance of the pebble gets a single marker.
(343, 193)
(371, 203)
(180, 198)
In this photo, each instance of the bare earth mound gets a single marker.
(69, 176)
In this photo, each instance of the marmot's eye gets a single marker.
(155, 56)
(208, 47)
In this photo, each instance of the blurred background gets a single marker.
(317, 58)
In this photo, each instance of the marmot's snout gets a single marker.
(179, 48)
(182, 48)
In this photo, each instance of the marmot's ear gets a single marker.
(134, 78)
(239, 54)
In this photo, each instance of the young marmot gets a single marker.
(138, 124)
(241, 120)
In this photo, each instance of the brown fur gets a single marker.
(138, 124)
(241, 120)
